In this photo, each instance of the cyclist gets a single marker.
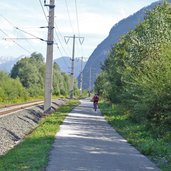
(95, 101)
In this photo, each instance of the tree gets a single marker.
(139, 73)
(10, 89)
(31, 73)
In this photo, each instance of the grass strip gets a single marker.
(157, 149)
(32, 153)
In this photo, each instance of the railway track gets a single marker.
(9, 109)
(16, 123)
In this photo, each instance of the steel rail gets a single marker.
(8, 109)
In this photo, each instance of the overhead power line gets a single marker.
(15, 42)
(23, 30)
(14, 27)
(77, 17)
(67, 38)
(30, 34)
(56, 27)
(43, 10)
(69, 16)
(18, 38)
(60, 40)
(78, 28)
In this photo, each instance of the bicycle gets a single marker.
(95, 105)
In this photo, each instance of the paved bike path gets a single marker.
(86, 142)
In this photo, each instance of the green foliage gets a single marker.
(76, 90)
(31, 73)
(137, 134)
(102, 85)
(66, 84)
(10, 89)
(137, 73)
(32, 153)
(60, 82)
(27, 80)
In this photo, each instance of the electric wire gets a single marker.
(60, 40)
(18, 38)
(43, 10)
(55, 26)
(7, 20)
(42, 7)
(14, 27)
(69, 17)
(77, 17)
(15, 42)
(78, 28)
(30, 34)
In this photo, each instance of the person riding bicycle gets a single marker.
(95, 101)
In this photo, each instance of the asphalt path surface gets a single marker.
(86, 142)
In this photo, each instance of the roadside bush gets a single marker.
(138, 70)
(11, 89)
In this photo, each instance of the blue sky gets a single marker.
(95, 19)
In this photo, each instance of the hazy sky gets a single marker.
(95, 19)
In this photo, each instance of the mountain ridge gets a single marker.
(99, 55)
(6, 64)
(65, 65)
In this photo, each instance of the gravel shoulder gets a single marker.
(14, 127)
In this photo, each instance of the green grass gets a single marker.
(157, 149)
(20, 100)
(28, 99)
(32, 153)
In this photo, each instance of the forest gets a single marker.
(137, 73)
(26, 80)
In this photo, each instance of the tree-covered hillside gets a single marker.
(99, 55)
(27, 80)
(137, 73)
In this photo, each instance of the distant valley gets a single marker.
(6, 64)
(65, 65)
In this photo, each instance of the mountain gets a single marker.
(101, 52)
(65, 65)
(6, 63)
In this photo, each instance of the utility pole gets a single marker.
(81, 77)
(81, 39)
(72, 70)
(90, 81)
(49, 58)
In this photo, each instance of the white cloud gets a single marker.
(96, 18)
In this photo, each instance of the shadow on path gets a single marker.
(86, 142)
